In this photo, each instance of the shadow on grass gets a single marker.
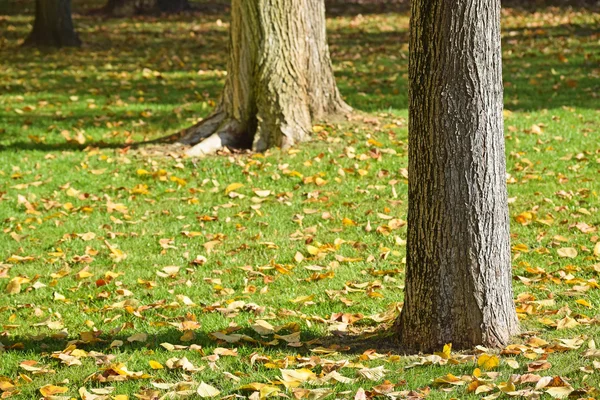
(371, 69)
(20, 7)
(382, 342)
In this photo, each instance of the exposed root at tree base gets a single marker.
(218, 131)
(202, 129)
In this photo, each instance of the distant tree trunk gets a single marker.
(53, 25)
(279, 78)
(128, 8)
(458, 277)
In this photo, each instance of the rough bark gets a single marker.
(128, 8)
(458, 278)
(53, 25)
(279, 78)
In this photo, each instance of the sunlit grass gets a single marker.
(144, 78)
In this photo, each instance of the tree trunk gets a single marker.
(53, 25)
(128, 8)
(279, 78)
(458, 277)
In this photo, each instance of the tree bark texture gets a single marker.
(279, 78)
(458, 278)
(53, 25)
(128, 8)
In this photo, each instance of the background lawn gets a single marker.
(114, 255)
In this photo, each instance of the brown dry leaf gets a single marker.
(560, 392)
(263, 327)
(262, 193)
(87, 236)
(204, 390)
(182, 363)
(360, 394)
(567, 252)
(221, 351)
(311, 394)
(540, 365)
(372, 374)
(566, 323)
(138, 337)
(13, 287)
(597, 249)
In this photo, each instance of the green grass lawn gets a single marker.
(114, 256)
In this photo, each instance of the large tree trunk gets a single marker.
(53, 25)
(458, 278)
(279, 78)
(128, 8)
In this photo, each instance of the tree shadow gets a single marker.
(337, 8)
(381, 341)
(371, 67)
(533, 5)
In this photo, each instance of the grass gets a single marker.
(65, 117)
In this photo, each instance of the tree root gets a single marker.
(202, 129)
(216, 136)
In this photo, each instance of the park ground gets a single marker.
(134, 271)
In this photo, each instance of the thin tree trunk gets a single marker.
(279, 78)
(458, 278)
(53, 25)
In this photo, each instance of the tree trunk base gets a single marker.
(53, 25)
(279, 79)
(55, 40)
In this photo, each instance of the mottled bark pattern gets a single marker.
(280, 77)
(53, 25)
(458, 277)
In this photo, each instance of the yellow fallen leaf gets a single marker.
(449, 379)
(295, 377)
(584, 303)
(155, 364)
(348, 222)
(51, 390)
(446, 353)
(13, 287)
(523, 248)
(597, 249)
(312, 250)
(302, 299)
(234, 186)
(488, 361)
(524, 218)
(507, 387)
